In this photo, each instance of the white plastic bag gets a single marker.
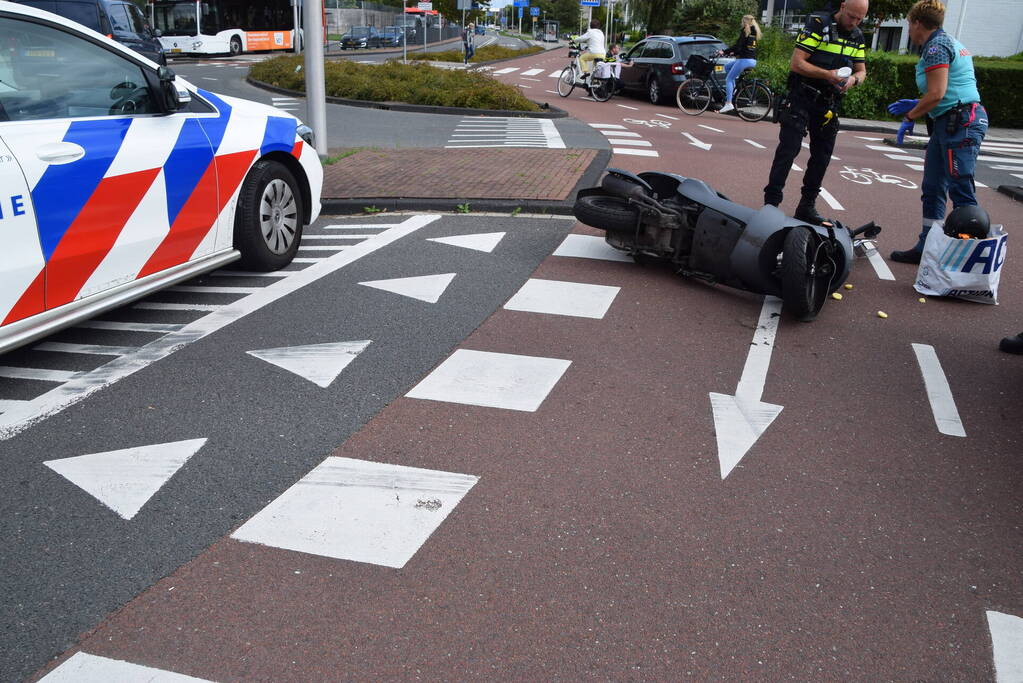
(964, 269)
(602, 70)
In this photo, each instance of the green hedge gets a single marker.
(397, 82)
(892, 77)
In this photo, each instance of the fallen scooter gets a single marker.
(683, 221)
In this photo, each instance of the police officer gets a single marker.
(825, 44)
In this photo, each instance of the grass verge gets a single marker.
(397, 82)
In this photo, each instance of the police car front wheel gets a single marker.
(268, 222)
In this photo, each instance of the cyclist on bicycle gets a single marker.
(745, 52)
(595, 47)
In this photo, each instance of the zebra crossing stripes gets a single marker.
(624, 141)
(505, 132)
(287, 103)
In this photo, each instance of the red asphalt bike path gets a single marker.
(853, 541)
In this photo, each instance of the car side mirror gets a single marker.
(176, 95)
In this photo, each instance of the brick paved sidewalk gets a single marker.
(514, 173)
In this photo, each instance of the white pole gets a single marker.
(295, 39)
(315, 90)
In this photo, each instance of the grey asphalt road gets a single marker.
(68, 560)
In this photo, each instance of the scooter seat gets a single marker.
(700, 192)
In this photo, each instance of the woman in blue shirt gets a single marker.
(959, 122)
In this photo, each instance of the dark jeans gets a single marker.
(801, 117)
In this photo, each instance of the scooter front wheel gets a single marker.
(805, 267)
(606, 213)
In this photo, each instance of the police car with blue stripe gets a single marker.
(118, 178)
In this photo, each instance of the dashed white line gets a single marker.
(877, 262)
(716, 130)
(832, 202)
(625, 106)
(202, 289)
(918, 167)
(157, 328)
(755, 144)
(633, 143)
(609, 126)
(635, 152)
(904, 157)
(161, 306)
(939, 393)
(90, 349)
(531, 72)
(673, 118)
(619, 134)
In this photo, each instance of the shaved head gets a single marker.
(851, 13)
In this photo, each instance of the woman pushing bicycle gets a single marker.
(745, 52)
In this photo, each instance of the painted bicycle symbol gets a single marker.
(868, 176)
(653, 123)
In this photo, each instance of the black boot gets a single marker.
(808, 214)
(907, 256)
(1013, 344)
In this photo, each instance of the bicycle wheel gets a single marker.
(566, 81)
(601, 89)
(693, 96)
(753, 101)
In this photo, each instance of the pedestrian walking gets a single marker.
(469, 41)
(957, 120)
(826, 43)
(745, 52)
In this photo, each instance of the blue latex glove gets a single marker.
(902, 107)
(906, 127)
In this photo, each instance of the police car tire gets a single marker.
(248, 237)
(802, 294)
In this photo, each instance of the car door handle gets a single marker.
(60, 152)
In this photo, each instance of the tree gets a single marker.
(878, 12)
(717, 17)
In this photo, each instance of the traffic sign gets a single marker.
(426, 6)
(590, 3)
(534, 11)
(520, 12)
(520, 3)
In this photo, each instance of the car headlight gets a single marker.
(306, 133)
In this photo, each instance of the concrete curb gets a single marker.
(1013, 191)
(562, 207)
(549, 113)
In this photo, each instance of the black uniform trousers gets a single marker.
(803, 115)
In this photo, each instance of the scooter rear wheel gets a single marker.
(606, 213)
(804, 279)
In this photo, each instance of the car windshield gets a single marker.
(360, 31)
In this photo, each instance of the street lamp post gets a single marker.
(315, 90)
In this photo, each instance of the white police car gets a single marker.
(118, 178)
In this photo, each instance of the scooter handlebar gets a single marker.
(868, 230)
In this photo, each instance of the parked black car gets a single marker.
(390, 36)
(659, 64)
(360, 36)
(122, 21)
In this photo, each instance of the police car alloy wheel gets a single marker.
(268, 224)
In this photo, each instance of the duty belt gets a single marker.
(816, 95)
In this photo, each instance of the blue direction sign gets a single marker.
(520, 12)
(534, 11)
(521, 3)
(590, 3)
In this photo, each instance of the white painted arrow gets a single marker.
(125, 480)
(697, 143)
(1007, 646)
(739, 420)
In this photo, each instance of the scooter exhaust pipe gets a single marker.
(626, 189)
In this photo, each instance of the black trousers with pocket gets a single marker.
(801, 117)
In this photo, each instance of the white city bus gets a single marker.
(223, 26)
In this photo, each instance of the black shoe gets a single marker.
(808, 214)
(1013, 344)
(907, 256)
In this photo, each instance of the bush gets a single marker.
(397, 82)
(484, 54)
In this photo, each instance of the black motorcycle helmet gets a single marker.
(968, 220)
